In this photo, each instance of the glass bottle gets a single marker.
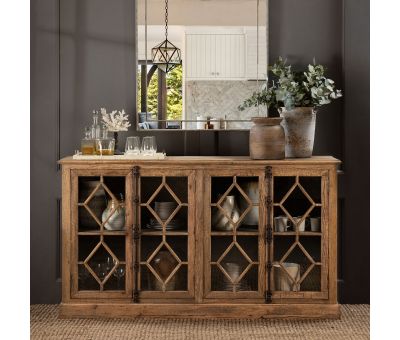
(87, 143)
(96, 127)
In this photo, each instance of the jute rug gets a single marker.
(45, 324)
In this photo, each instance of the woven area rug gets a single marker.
(45, 324)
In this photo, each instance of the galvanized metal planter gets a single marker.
(299, 126)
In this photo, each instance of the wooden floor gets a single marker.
(45, 324)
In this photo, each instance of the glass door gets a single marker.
(300, 234)
(234, 255)
(166, 249)
(101, 246)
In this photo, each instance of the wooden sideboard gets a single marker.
(238, 239)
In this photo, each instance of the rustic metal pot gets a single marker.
(299, 125)
(267, 138)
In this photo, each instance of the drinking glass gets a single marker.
(100, 270)
(105, 146)
(132, 146)
(149, 146)
(119, 273)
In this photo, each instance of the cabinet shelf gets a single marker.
(105, 233)
(301, 233)
(160, 233)
(231, 233)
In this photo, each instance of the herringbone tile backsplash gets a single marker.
(217, 98)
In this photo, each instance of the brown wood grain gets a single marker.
(199, 301)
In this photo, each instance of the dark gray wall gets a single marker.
(83, 54)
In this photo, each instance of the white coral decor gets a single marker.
(115, 121)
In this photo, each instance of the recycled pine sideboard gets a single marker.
(272, 253)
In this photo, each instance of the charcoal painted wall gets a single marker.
(82, 57)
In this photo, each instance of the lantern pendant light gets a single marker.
(166, 55)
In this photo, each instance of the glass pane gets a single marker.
(164, 263)
(282, 245)
(101, 257)
(297, 204)
(178, 222)
(164, 270)
(312, 281)
(148, 245)
(312, 245)
(250, 220)
(180, 279)
(218, 245)
(249, 245)
(179, 185)
(116, 245)
(281, 186)
(85, 246)
(147, 279)
(250, 280)
(85, 280)
(104, 202)
(180, 246)
(148, 186)
(250, 187)
(219, 185)
(117, 279)
(312, 186)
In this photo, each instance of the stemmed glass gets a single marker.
(100, 268)
(119, 273)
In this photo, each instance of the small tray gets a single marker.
(158, 155)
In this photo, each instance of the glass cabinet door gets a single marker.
(300, 234)
(166, 247)
(234, 251)
(101, 247)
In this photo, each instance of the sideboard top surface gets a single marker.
(205, 160)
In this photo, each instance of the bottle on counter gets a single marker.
(208, 125)
(96, 127)
(88, 143)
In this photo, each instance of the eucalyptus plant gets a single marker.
(294, 89)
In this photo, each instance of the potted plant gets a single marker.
(296, 95)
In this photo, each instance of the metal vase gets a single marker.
(299, 126)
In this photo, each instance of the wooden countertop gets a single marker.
(236, 160)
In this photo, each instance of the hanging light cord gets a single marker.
(166, 19)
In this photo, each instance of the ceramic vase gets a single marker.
(117, 219)
(220, 220)
(267, 138)
(283, 282)
(299, 125)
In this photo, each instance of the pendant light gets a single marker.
(166, 55)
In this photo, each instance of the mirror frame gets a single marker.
(136, 113)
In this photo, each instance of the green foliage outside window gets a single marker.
(174, 93)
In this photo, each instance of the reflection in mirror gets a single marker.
(215, 55)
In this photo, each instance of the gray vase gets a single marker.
(299, 126)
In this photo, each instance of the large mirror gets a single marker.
(198, 60)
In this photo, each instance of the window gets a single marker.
(163, 100)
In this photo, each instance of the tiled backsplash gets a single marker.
(217, 98)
